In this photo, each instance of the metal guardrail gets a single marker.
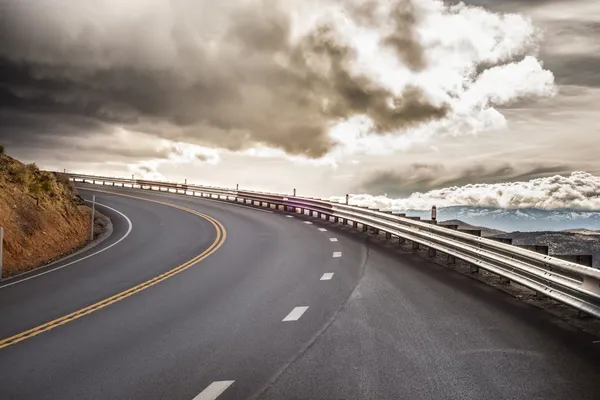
(569, 283)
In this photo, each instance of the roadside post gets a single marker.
(1, 248)
(93, 212)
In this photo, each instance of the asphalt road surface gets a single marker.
(198, 299)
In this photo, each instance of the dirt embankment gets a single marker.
(42, 216)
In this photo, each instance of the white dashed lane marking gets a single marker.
(327, 276)
(213, 390)
(337, 254)
(323, 229)
(333, 239)
(308, 222)
(295, 314)
(289, 216)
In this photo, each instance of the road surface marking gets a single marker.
(213, 390)
(218, 242)
(289, 216)
(333, 239)
(308, 222)
(323, 229)
(596, 342)
(337, 254)
(327, 276)
(79, 259)
(295, 314)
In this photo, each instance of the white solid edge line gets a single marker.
(308, 222)
(333, 239)
(213, 390)
(337, 254)
(295, 314)
(323, 229)
(327, 276)
(82, 258)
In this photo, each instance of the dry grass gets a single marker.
(42, 216)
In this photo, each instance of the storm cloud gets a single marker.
(86, 67)
(237, 75)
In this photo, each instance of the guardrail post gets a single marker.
(388, 236)
(365, 228)
(1, 249)
(581, 259)
(294, 192)
(93, 214)
(432, 252)
(401, 240)
(347, 198)
(450, 259)
(415, 246)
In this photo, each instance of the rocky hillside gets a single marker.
(569, 241)
(562, 242)
(42, 216)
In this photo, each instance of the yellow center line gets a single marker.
(218, 242)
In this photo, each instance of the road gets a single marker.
(197, 299)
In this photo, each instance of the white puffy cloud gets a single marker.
(477, 60)
(580, 190)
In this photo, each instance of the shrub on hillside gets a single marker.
(1, 149)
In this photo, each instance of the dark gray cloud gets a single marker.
(420, 177)
(404, 19)
(161, 72)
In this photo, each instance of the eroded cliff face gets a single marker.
(42, 216)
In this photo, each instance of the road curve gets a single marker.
(281, 309)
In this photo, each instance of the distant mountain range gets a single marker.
(523, 219)
(563, 231)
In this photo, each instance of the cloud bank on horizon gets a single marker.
(580, 190)
(309, 79)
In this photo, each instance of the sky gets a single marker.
(400, 102)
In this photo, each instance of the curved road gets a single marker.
(205, 300)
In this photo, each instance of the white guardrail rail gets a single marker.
(569, 283)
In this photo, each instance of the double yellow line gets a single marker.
(218, 242)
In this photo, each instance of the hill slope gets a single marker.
(42, 216)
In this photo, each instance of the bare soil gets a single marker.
(42, 215)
